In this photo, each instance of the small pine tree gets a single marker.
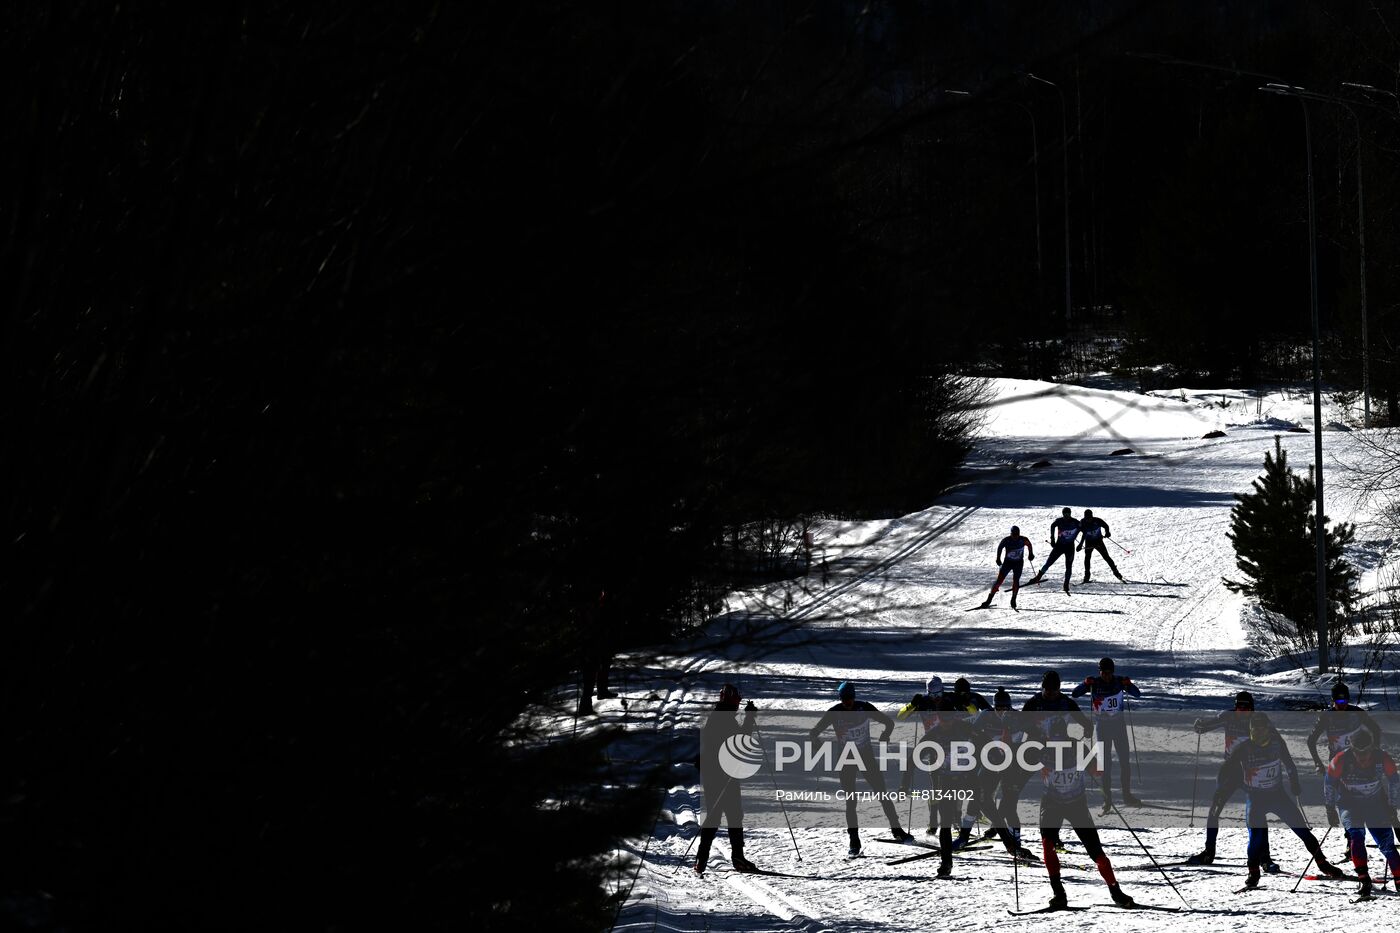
(1273, 531)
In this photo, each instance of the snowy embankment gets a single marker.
(894, 610)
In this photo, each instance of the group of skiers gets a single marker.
(1068, 536)
(1361, 783)
(1361, 787)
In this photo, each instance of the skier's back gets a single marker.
(1092, 532)
(1017, 548)
(1063, 531)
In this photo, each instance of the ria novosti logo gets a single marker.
(741, 756)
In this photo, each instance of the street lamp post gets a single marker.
(1319, 531)
(1360, 230)
(1319, 536)
(1035, 170)
(1064, 135)
(1365, 318)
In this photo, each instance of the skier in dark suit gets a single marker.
(1063, 531)
(1092, 531)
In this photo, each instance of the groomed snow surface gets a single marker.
(893, 611)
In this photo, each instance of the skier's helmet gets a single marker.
(1244, 700)
(1015, 530)
(1106, 665)
(961, 685)
(1088, 513)
(1051, 679)
(847, 690)
(729, 694)
(1362, 740)
(1065, 511)
(933, 686)
(1002, 700)
(1260, 728)
(1340, 691)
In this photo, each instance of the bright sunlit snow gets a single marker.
(894, 611)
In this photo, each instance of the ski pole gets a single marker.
(1120, 547)
(913, 751)
(1150, 855)
(1127, 708)
(774, 778)
(685, 858)
(1194, 777)
(1310, 858)
(1015, 874)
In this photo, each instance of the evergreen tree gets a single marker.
(1273, 531)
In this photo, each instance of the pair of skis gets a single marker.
(1068, 907)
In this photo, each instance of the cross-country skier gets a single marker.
(1109, 692)
(1017, 548)
(1235, 722)
(968, 699)
(999, 726)
(1259, 765)
(1063, 531)
(935, 709)
(927, 709)
(851, 720)
(1342, 722)
(948, 783)
(1363, 783)
(1064, 801)
(1046, 707)
(722, 792)
(1050, 704)
(1092, 532)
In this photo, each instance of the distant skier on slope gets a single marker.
(1064, 801)
(1235, 722)
(1109, 693)
(1092, 532)
(1363, 783)
(722, 792)
(1258, 765)
(851, 720)
(1016, 548)
(1063, 531)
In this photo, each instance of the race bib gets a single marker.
(1264, 777)
(1067, 534)
(859, 733)
(1362, 788)
(1341, 741)
(1110, 705)
(1015, 553)
(1065, 783)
